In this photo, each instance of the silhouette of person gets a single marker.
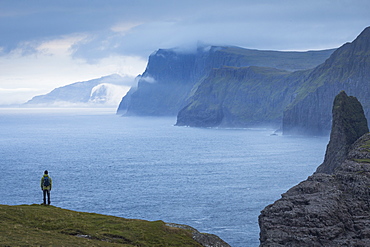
(46, 184)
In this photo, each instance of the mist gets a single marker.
(46, 44)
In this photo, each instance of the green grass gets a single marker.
(362, 160)
(38, 225)
(366, 146)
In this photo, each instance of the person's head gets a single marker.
(46, 172)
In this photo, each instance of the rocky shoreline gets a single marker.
(331, 207)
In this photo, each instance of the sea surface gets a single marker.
(215, 180)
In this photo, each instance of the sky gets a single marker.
(48, 44)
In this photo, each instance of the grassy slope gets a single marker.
(37, 225)
(290, 61)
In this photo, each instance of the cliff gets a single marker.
(163, 86)
(172, 77)
(328, 209)
(240, 97)
(38, 225)
(300, 101)
(190, 85)
(348, 69)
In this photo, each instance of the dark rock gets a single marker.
(349, 123)
(324, 210)
(328, 209)
(205, 239)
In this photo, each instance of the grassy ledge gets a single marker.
(38, 225)
(362, 160)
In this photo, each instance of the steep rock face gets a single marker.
(348, 68)
(172, 77)
(324, 210)
(349, 124)
(163, 86)
(240, 97)
(327, 209)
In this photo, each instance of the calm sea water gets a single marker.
(215, 180)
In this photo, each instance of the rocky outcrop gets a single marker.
(205, 239)
(172, 76)
(328, 209)
(349, 123)
(348, 69)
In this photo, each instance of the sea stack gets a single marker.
(331, 207)
(348, 124)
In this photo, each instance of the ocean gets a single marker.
(215, 180)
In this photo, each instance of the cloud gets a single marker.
(148, 79)
(46, 44)
(292, 25)
(108, 94)
(139, 27)
(51, 66)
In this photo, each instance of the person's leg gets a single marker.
(48, 191)
(44, 192)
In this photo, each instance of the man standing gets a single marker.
(46, 184)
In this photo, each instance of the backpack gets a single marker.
(46, 181)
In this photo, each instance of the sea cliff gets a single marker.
(299, 102)
(172, 76)
(331, 207)
(348, 69)
(236, 87)
(240, 97)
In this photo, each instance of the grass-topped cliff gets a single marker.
(284, 60)
(171, 76)
(240, 97)
(37, 225)
(346, 69)
(298, 101)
